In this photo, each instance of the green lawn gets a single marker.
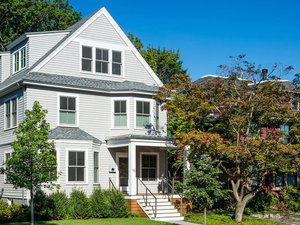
(125, 221)
(217, 219)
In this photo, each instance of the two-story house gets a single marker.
(97, 88)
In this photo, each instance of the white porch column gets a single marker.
(132, 181)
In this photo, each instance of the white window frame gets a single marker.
(4, 114)
(106, 46)
(151, 111)
(157, 166)
(20, 59)
(85, 151)
(76, 113)
(118, 156)
(4, 166)
(98, 175)
(113, 113)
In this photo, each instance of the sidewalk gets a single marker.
(183, 223)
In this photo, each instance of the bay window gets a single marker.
(76, 165)
(120, 114)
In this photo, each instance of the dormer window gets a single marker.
(19, 60)
(101, 61)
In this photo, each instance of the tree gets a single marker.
(235, 121)
(164, 62)
(203, 184)
(32, 163)
(296, 80)
(20, 16)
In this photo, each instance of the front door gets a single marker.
(123, 173)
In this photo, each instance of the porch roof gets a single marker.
(140, 140)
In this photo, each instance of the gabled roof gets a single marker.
(72, 133)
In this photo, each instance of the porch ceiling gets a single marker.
(140, 140)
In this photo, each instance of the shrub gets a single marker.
(100, 202)
(13, 213)
(262, 202)
(118, 206)
(5, 213)
(41, 206)
(289, 199)
(79, 205)
(59, 205)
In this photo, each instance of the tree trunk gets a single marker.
(239, 211)
(31, 207)
(204, 216)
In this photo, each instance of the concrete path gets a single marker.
(183, 222)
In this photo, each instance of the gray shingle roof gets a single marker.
(77, 82)
(72, 133)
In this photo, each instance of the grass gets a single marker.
(123, 221)
(217, 219)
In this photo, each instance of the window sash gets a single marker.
(67, 112)
(7, 114)
(76, 171)
(96, 167)
(116, 62)
(23, 58)
(7, 155)
(149, 167)
(86, 62)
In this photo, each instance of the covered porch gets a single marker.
(141, 161)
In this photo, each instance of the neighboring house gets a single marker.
(281, 179)
(97, 88)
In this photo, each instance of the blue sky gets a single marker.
(208, 31)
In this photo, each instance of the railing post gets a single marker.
(137, 185)
(173, 190)
(155, 207)
(162, 185)
(180, 206)
(146, 197)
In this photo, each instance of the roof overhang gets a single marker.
(164, 142)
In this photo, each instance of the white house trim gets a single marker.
(119, 31)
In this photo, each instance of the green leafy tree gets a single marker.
(242, 135)
(164, 62)
(296, 80)
(32, 163)
(20, 16)
(203, 184)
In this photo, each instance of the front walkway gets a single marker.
(183, 223)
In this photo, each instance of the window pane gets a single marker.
(86, 52)
(71, 105)
(14, 119)
(104, 67)
(116, 56)
(63, 117)
(80, 158)
(71, 174)
(71, 118)
(105, 55)
(152, 160)
(123, 106)
(63, 103)
(96, 159)
(152, 174)
(98, 67)
(291, 179)
(86, 65)
(116, 69)
(279, 181)
(72, 158)
(139, 107)
(120, 120)
(80, 174)
(142, 121)
(145, 161)
(99, 54)
(144, 173)
(96, 180)
(117, 107)
(146, 107)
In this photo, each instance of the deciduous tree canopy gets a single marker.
(20, 16)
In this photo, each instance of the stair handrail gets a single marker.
(148, 190)
(165, 180)
(111, 184)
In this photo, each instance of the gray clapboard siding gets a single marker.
(102, 30)
(39, 45)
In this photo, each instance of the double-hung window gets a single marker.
(295, 102)
(76, 166)
(87, 58)
(149, 167)
(102, 61)
(11, 113)
(116, 63)
(157, 116)
(67, 111)
(286, 131)
(96, 167)
(120, 114)
(19, 59)
(142, 113)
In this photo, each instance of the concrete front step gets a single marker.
(153, 200)
(162, 211)
(176, 218)
(158, 204)
(162, 215)
(160, 207)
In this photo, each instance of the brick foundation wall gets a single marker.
(186, 205)
(134, 207)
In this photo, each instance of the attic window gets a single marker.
(19, 60)
(87, 58)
